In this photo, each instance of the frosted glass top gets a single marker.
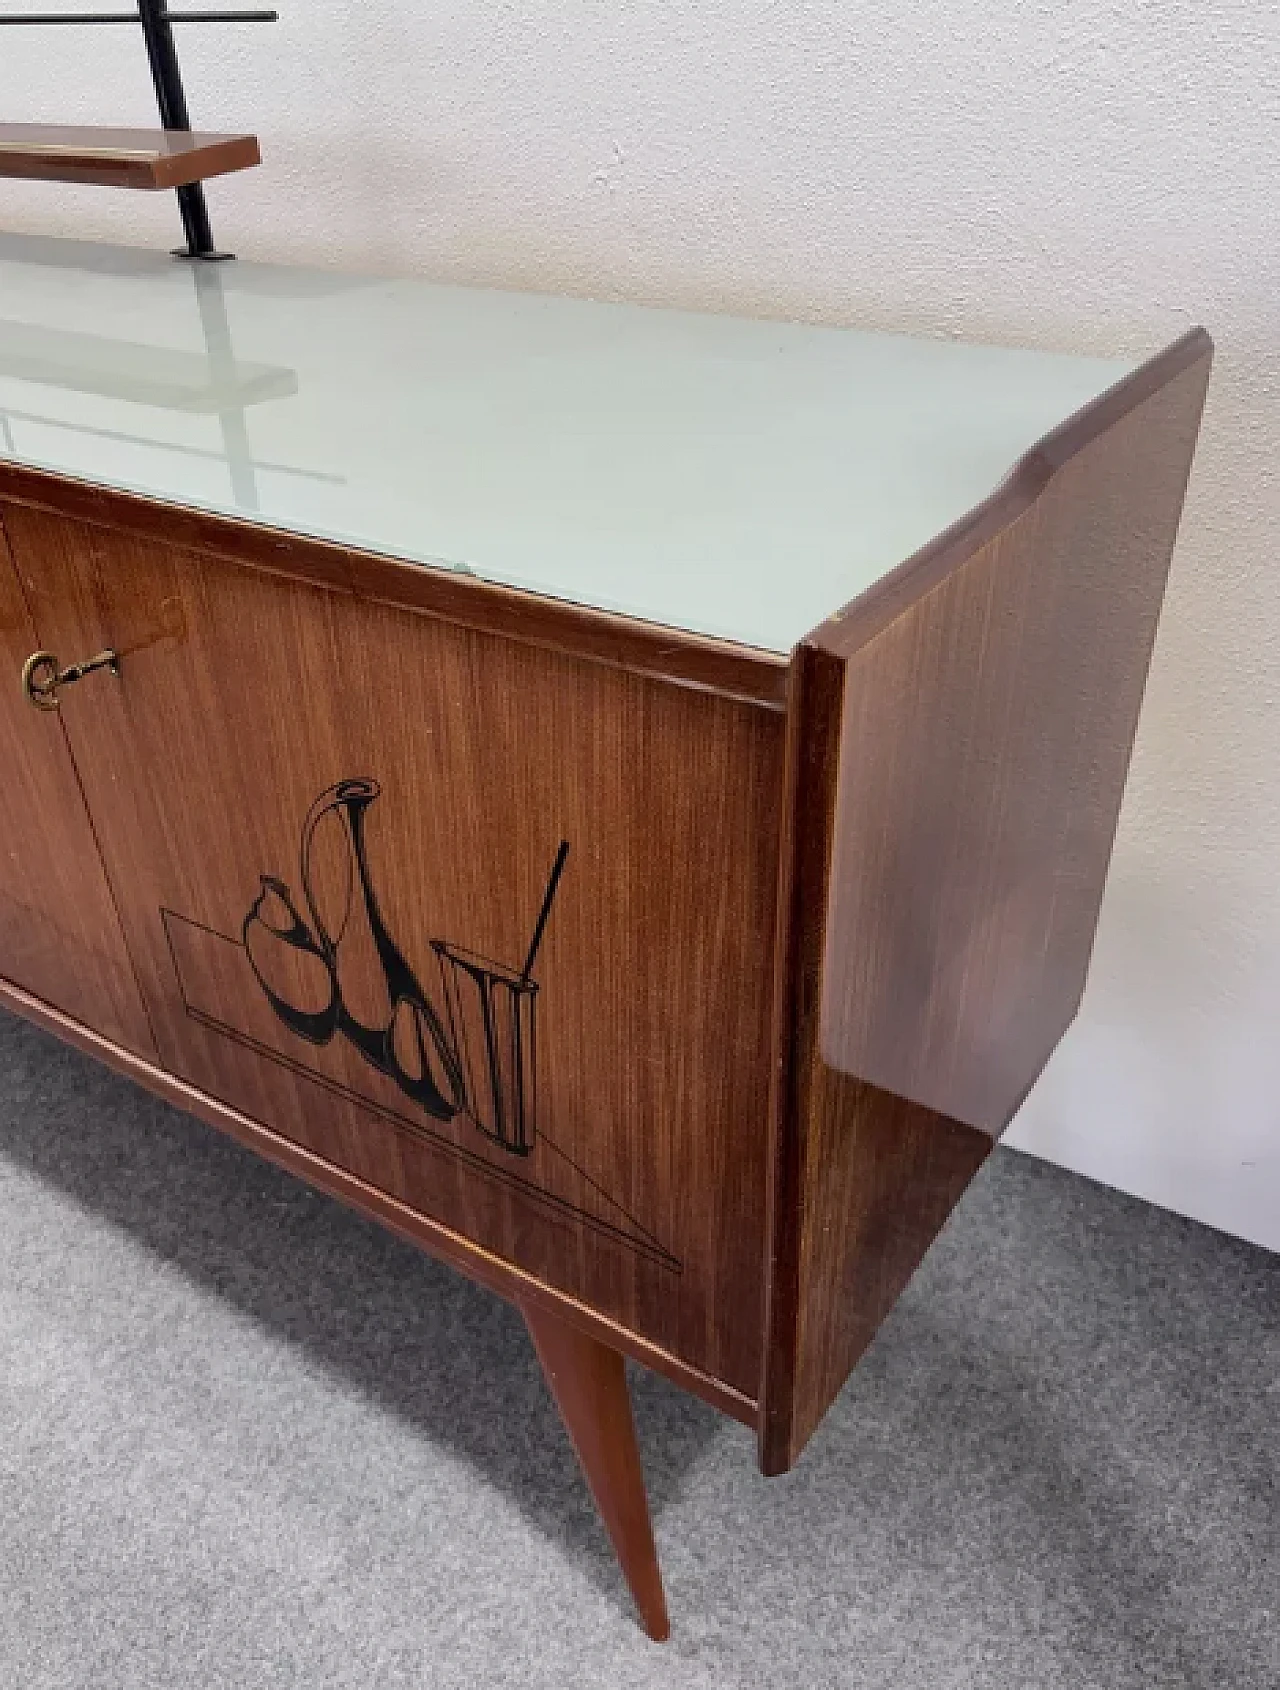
(735, 478)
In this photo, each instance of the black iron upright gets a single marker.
(171, 97)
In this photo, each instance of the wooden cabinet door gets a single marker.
(60, 938)
(486, 925)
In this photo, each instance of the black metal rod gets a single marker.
(172, 100)
(132, 17)
(170, 94)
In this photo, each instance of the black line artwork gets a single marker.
(432, 1078)
(472, 1063)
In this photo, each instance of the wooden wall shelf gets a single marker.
(121, 158)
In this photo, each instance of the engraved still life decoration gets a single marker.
(459, 1070)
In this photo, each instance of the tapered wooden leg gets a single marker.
(589, 1383)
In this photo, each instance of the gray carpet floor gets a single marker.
(247, 1440)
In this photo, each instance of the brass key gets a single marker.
(42, 675)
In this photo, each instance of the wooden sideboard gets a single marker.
(468, 811)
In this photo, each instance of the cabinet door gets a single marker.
(60, 938)
(486, 925)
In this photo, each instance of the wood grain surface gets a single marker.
(958, 745)
(60, 937)
(242, 699)
(121, 158)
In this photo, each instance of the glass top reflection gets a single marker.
(732, 478)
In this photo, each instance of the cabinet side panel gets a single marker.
(947, 857)
(332, 827)
(860, 1181)
(985, 743)
(60, 938)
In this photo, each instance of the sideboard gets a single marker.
(620, 796)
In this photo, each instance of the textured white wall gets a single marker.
(1093, 176)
